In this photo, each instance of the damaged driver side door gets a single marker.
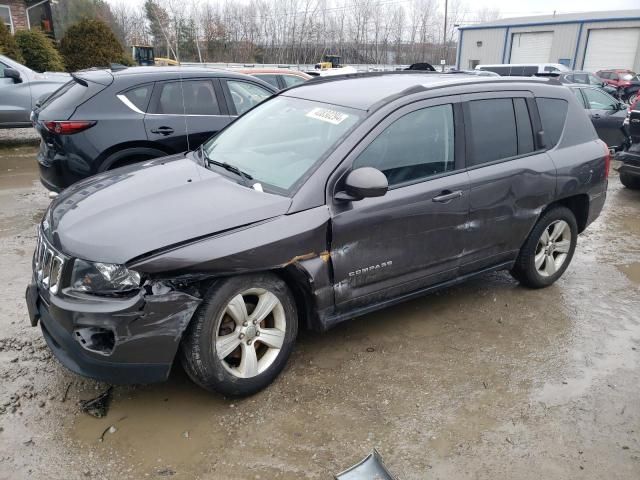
(411, 237)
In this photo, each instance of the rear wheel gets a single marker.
(548, 250)
(242, 335)
(630, 181)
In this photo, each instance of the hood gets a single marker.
(62, 77)
(122, 214)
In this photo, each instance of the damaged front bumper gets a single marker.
(115, 340)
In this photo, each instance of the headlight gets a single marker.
(103, 277)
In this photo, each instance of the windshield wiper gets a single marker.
(228, 167)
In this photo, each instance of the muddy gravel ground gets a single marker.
(486, 380)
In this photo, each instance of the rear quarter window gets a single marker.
(553, 114)
(139, 96)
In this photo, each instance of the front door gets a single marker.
(606, 116)
(412, 237)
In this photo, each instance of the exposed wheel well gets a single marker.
(121, 155)
(579, 205)
(298, 284)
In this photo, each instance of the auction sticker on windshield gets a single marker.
(326, 115)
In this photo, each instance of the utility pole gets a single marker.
(444, 34)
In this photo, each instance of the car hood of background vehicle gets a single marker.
(120, 215)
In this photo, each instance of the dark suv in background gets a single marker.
(105, 119)
(325, 202)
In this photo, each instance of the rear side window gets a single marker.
(190, 97)
(493, 131)
(291, 80)
(529, 71)
(553, 113)
(270, 79)
(139, 96)
(606, 75)
(416, 146)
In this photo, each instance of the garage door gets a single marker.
(531, 47)
(611, 48)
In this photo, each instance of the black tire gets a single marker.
(198, 349)
(525, 270)
(630, 181)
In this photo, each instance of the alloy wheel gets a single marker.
(553, 248)
(250, 332)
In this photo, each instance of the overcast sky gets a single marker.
(510, 8)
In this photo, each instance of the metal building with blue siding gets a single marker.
(582, 41)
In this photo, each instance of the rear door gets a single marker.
(183, 114)
(511, 179)
(412, 237)
(605, 115)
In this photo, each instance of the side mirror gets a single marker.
(362, 183)
(14, 74)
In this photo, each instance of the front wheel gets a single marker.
(548, 250)
(242, 335)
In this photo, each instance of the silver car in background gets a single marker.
(21, 88)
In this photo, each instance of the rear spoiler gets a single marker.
(79, 80)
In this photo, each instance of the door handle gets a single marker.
(163, 131)
(447, 195)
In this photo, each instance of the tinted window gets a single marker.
(499, 70)
(246, 95)
(414, 147)
(580, 78)
(493, 134)
(270, 79)
(553, 113)
(517, 71)
(523, 126)
(529, 71)
(593, 80)
(291, 80)
(598, 100)
(604, 75)
(139, 96)
(199, 98)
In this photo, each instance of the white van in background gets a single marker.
(523, 69)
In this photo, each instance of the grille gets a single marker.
(49, 265)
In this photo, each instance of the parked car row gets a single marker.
(320, 203)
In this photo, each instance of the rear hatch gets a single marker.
(62, 104)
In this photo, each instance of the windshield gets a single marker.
(281, 140)
(629, 76)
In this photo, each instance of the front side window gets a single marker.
(598, 100)
(269, 78)
(5, 17)
(246, 95)
(189, 97)
(493, 135)
(292, 80)
(593, 80)
(580, 78)
(414, 147)
(281, 140)
(553, 113)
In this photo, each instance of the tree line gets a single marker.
(283, 31)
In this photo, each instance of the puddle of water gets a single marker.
(18, 167)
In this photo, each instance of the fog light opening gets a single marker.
(96, 339)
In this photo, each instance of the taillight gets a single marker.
(607, 160)
(68, 127)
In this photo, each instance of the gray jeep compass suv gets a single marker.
(325, 202)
